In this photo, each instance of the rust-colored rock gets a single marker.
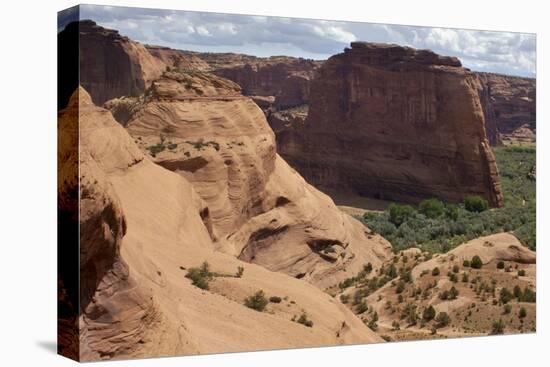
(395, 123)
(261, 211)
(177, 59)
(110, 65)
(509, 104)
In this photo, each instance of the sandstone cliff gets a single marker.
(509, 103)
(142, 226)
(110, 65)
(395, 123)
(200, 126)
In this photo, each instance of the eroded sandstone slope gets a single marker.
(142, 226)
(394, 123)
(474, 297)
(200, 126)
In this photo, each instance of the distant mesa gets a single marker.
(394, 123)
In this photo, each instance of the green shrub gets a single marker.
(442, 319)
(400, 213)
(521, 273)
(435, 271)
(500, 265)
(476, 262)
(498, 327)
(257, 301)
(466, 263)
(240, 272)
(465, 278)
(362, 308)
(456, 269)
(344, 298)
(475, 204)
(453, 293)
(428, 314)
(505, 295)
(529, 295)
(400, 287)
(507, 309)
(304, 320)
(431, 208)
(200, 277)
(522, 313)
(518, 294)
(275, 299)
(452, 211)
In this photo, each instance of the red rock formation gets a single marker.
(509, 103)
(285, 78)
(200, 126)
(111, 65)
(177, 59)
(395, 123)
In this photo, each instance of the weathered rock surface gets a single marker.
(509, 104)
(141, 227)
(177, 59)
(395, 123)
(285, 78)
(261, 210)
(111, 65)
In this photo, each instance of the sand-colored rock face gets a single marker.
(177, 59)
(509, 103)
(111, 65)
(261, 210)
(141, 227)
(395, 123)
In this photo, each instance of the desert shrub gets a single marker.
(344, 298)
(476, 262)
(367, 268)
(507, 309)
(257, 301)
(474, 203)
(359, 295)
(304, 320)
(400, 298)
(400, 213)
(240, 272)
(466, 263)
(522, 313)
(505, 295)
(456, 269)
(500, 265)
(529, 295)
(453, 277)
(521, 273)
(429, 313)
(518, 294)
(452, 212)
(275, 299)
(400, 287)
(453, 293)
(442, 319)
(431, 208)
(435, 271)
(497, 327)
(395, 325)
(373, 323)
(200, 277)
(362, 308)
(465, 278)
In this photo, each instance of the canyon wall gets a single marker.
(394, 123)
(111, 65)
(509, 104)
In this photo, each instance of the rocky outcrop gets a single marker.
(177, 59)
(261, 210)
(141, 227)
(285, 78)
(395, 123)
(110, 65)
(509, 104)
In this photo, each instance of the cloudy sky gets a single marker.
(501, 52)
